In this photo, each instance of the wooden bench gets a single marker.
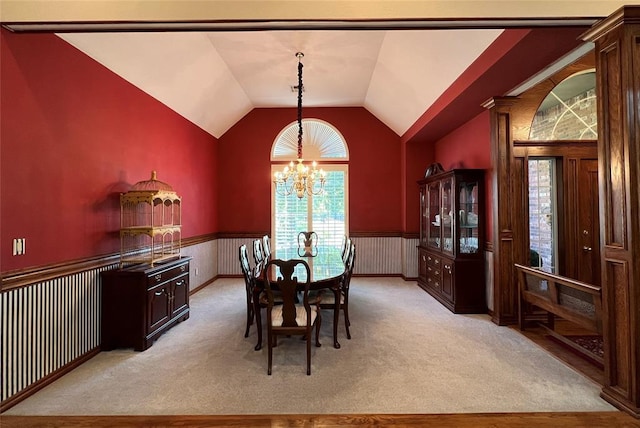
(574, 301)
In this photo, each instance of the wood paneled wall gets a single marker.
(617, 60)
(504, 284)
(617, 40)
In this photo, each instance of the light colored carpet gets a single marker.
(408, 354)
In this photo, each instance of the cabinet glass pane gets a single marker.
(468, 217)
(446, 220)
(424, 219)
(434, 215)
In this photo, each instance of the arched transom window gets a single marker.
(321, 140)
(569, 111)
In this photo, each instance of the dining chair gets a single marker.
(249, 284)
(345, 286)
(343, 245)
(250, 276)
(327, 300)
(258, 252)
(266, 247)
(307, 244)
(346, 250)
(290, 318)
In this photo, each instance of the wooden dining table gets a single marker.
(327, 270)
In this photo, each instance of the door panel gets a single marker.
(158, 307)
(180, 294)
(447, 279)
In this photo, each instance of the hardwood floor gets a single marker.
(581, 364)
(511, 420)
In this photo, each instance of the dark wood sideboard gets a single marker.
(141, 302)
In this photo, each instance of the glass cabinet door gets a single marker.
(433, 195)
(445, 219)
(424, 217)
(468, 217)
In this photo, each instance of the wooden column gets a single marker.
(617, 40)
(505, 293)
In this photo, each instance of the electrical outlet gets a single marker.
(19, 246)
(196, 271)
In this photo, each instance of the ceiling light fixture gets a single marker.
(299, 178)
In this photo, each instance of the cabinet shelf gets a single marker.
(149, 230)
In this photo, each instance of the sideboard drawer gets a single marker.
(161, 276)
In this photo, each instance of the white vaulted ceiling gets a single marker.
(215, 78)
(213, 61)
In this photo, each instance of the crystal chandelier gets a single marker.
(299, 178)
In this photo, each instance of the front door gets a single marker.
(588, 233)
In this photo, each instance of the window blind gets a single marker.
(324, 214)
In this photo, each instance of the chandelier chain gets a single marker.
(300, 179)
(299, 108)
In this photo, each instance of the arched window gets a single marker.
(327, 213)
(569, 111)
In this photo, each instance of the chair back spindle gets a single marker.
(347, 251)
(266, 247)
(258, 253)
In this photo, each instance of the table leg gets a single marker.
(257, 316)
(336, 316)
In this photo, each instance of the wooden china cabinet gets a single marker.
(450, 250)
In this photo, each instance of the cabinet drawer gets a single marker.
(433, 271)
(433, 261)
(434, 282)
(166, 275)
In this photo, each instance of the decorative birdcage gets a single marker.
(150, 222)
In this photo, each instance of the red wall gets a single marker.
(73, 136)
(469, 146)
(375, 200)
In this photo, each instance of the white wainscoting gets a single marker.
(228, 257)
(410, 258)
(378, 256)
(46, 326)
(204, 265)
